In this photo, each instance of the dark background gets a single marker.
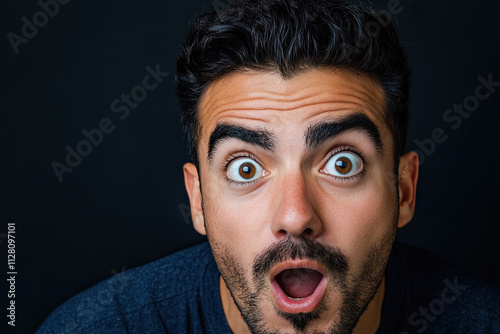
(123, 205)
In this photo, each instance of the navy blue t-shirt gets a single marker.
(180, 294)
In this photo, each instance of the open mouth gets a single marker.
(298, 286)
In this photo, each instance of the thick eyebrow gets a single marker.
(257, 137)
(319, 133)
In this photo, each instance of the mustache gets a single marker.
(329, 257)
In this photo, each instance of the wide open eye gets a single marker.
(244, 170)
(343, 164)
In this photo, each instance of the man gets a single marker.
(295, 113)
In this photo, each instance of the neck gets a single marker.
(370, 319)
(233, 315)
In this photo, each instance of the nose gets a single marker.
(294, 209)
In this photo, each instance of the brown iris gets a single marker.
(343, 165)
(247, 170)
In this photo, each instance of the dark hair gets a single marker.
(289, 36)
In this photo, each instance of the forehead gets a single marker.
(268, 100)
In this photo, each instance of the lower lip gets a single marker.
(304, 305)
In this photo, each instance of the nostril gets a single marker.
(307, 232)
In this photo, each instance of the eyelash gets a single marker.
(233, 157)
(230, 159)
(347, 149)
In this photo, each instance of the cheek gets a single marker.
(235, 221)
(360, 219)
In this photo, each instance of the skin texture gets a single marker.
(294, 197)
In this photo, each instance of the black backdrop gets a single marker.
(124, 204)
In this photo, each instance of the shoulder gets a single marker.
(133, 296)
(442, 297)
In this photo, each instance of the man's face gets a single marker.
(299, 200)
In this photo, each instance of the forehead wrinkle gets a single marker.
(278, 88)
(368, 105)
(284, 103)
(281, 97)
(254, 91)
(265, 106)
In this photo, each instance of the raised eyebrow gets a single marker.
(318, 133)
(224, 131)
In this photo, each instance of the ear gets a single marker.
(407, 181)
(192, 183)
